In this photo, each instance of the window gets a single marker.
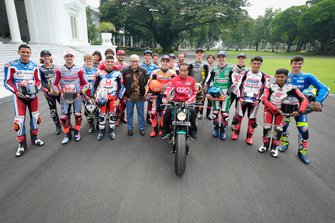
(74, 28)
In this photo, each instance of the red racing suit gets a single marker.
(17, 72)
(120, 111)
(272, 100)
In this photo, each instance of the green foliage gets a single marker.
(92, 30)
(107, 26)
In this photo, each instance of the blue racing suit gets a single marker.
(149, 67)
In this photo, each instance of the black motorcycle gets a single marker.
(180, 133)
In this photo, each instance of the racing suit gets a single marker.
(120, 112)
(47, 77)
(303, 81)
(221, 77)
(71, 76)
(273, 99)
(164, 77)
(111, 82)
(90, 75)
(252, 84)
(236, 77)
(17, 72)
(184, 91)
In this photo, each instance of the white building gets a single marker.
(61, 22)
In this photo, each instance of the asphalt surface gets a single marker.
(132, 179)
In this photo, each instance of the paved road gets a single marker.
(132, 179)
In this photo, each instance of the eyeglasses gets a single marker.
(69, 56)
(134, 61)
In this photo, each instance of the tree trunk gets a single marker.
(257, 46)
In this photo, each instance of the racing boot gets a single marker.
(215, 133)
(58, 128)
(35, 140)
(154, 132)
(67, 138)
(77, 136)
(249, 139)
(123, 117)
(274, 151)
(302, 154)
(149, 118)
(112, 135)
(223, 134)
(284, 142)
(22, 148)
(263, 147)
(101, 134)
(90, 127)
(208, 114)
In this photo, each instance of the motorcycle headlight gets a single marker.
(181, 116)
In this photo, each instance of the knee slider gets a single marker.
(77, 116)
(277, 132)
(36, 118)
(53, 113)
(267, 130)
(18, 124)
(64, 119)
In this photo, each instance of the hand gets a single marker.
(210, 97)
(20, 95)
(242, 101)
(255, 103)
(116, 103)
(280, 112)
(317, 106)
(52, 93)
(295, 114)
(165, 101)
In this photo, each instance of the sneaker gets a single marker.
(142, 132)
(77, 136)
(67, 138)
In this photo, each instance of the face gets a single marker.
(155, 59)
(183, 72)
(46, 59)
(181, 58)
(109, 64)
(255, 65)
(97, 57)
(199, 55)
(172, 61)
(165, 64)
(134, 63)
(222, 60)
(110, 54)
(280, 79)
(240, 61)
(69, 59)
(24, 54)
(147, 57)
(210, 60)
(120, 57)
(88, 63)
(296, 66)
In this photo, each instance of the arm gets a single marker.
(323, 91)
(37, 78)
(55, 85)
(303, 100)
(266, 101)
(8, 80)
(194, 93)
(96, 84)
(83, 81)
(211, 78)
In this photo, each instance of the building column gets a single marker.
(124, 40)
(13, 22)
(131, 42)
(114, 43)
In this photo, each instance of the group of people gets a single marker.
(109, 90)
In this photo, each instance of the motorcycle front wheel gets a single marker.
(180, 155)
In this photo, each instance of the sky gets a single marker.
(256, 9)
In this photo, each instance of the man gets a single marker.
(22, 78)
(249, 95)
(155, 59)
(302, 81)
(70, 78)
(48, 73)
(220, 79)
(97, 58)
(184, 90)
(181, 58)
(163, 76)
(108, 52)
(108, 81)
(238, 72)
(173, 65)
(149, 67)
(135, 79)
(120, 64)
(199, 70)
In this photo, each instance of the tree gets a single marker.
(285, 25)
(318, 24)
(92, 30)
(107, 26)
(165, 20)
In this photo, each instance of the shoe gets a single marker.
(123, 119)
(149, 119)
(199, 116)
(249, 141)
(223, 134)
(194, 136)
(36, 141)
(284, 142)
(209, 117)
(153, 133)
(161, 132)
(112, 135)
(215, 133)
(166, 136)
(262, 149)
(90, 127)
(101, 134)
(58, 128)
(142, 132)
(22, 148)
(274, 152)
(302, 154)
(67, 138)
(77, 136)
(130, 132)
(235, 135)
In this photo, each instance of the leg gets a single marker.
(154, 118)
(302, 124)
(35, 120)
(112, 119)
(284, 138)
(140, 115)
(224, 118)
(52, 102)
(78, 118)
(19, 125)
(209, 109)
(237, 120)
(65, 121)
(252, 123)
(149, 108)
(167, 120)
(215, 133)
(130, 115)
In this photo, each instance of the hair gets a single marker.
(134, 57)
(109, 50)
(24, 46)
(88, 57)
(210, 55)
(282, 71)
(109, 58)
(181, 53)
(257, 58)
(42, 62)
(155, 55)
(183, 64)
(297, 59)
